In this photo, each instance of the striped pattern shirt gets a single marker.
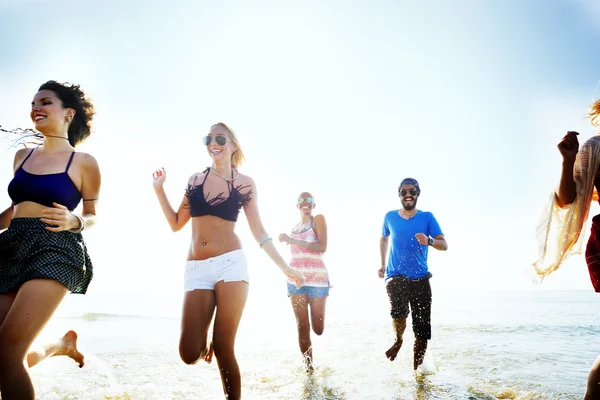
(308, 262)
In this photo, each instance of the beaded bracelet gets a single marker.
(264, 241)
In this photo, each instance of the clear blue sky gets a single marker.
(342, 99)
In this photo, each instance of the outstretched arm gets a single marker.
(262, 237)
(176, 220)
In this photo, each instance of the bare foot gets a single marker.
(68, 347)
(308, 365)
(209, 353)
(393, 351)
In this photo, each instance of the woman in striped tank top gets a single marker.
(308, 242)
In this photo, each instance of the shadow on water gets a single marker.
(318, 389)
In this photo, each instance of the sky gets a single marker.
(342, 99)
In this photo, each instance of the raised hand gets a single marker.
(569, 146)
(159, 177)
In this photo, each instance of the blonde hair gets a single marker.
(237, 158)
(594, 114)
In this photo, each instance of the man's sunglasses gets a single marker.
(413, 192)
(220, 140)
(307, 199)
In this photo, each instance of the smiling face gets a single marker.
(219, 144)
(408, 196)
(48, 114)
(306, 203)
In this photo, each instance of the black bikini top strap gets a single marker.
(206, 172)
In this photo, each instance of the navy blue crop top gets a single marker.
(44, 189)
(225, 208)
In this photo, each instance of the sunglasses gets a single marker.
(220, 140)
(308, 199)
(413, 192)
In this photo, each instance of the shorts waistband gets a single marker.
(237, 254)
(406, 279)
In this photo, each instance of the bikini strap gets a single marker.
(28, 155)
(206, 172)
(70, 159)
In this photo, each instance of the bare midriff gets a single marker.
(211, 237)
(28, 209)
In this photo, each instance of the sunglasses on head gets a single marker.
(403, 192)
(307, 199)
(220, 140)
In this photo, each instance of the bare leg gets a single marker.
(6, 301)
(300, 306)
(593, 388)
(231, 300)
(419, 349)
(66, 346)
(399, 327)
(198, 311)
(33, 306)
(317, 314)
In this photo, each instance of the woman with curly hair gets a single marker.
(42, 252)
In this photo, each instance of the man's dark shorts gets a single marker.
(403, 292)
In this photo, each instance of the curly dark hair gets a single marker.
(73, 97)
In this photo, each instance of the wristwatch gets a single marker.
(430, 241)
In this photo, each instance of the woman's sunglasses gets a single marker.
(220, 140)
(412, 192)
(307, 199)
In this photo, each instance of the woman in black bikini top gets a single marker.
(216, 273)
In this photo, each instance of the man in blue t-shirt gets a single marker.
(406, 273)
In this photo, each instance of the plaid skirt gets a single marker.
(29, 251)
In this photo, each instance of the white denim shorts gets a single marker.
(204, 274)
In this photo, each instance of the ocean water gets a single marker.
(494, 345)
